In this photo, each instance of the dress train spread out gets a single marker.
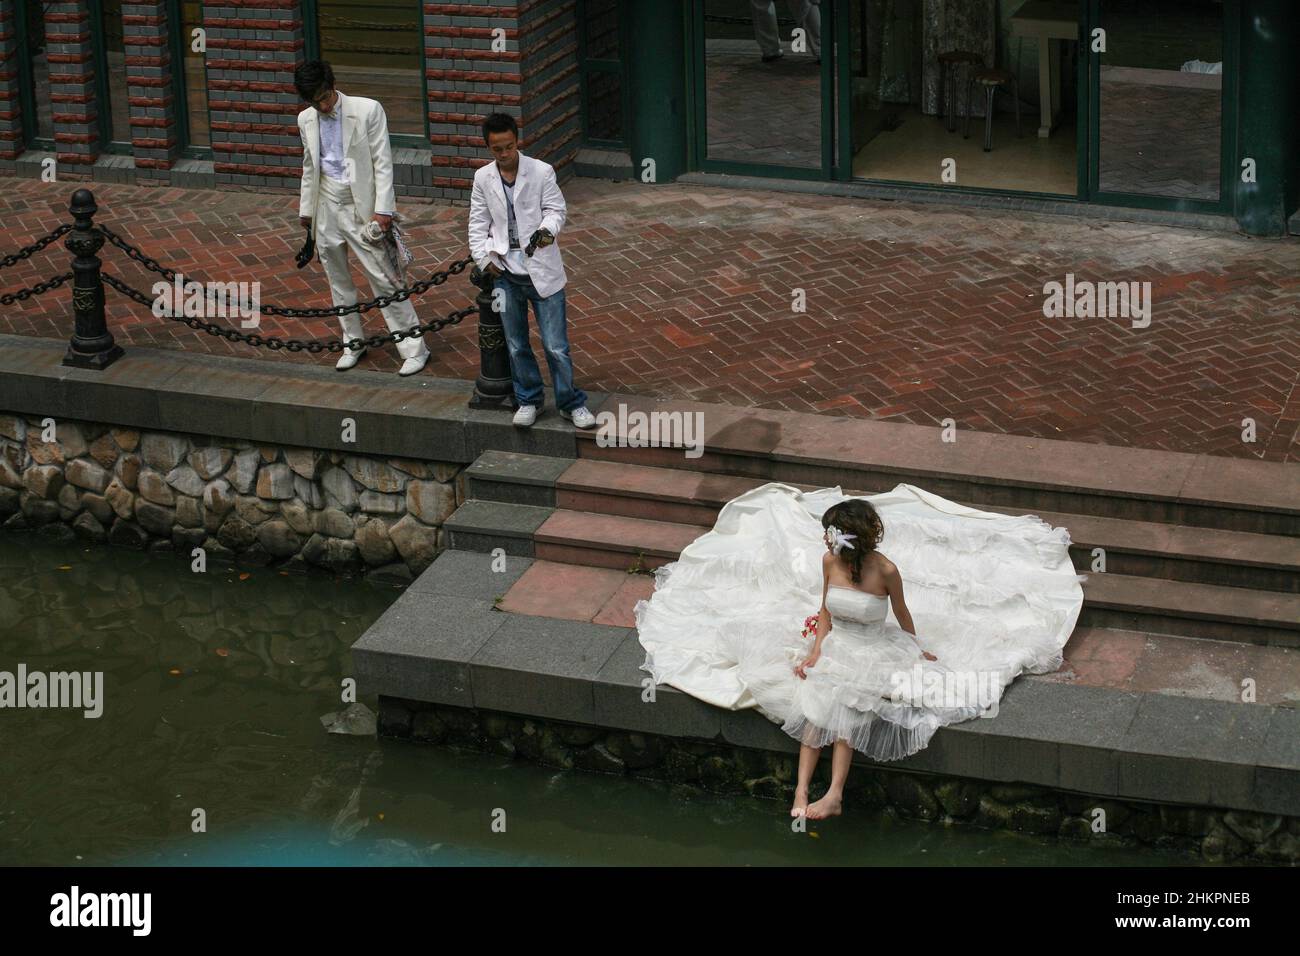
(992, 596)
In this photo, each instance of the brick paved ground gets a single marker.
(915, 313)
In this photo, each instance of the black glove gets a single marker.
(307, 251)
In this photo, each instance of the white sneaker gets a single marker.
(413, 365)
(348, 359)
(581, 417)
(526, 415)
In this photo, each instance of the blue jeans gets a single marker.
(518, 291)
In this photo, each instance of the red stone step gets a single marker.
(1112, 600)
(982, 468)
(1133, 661)
(1146, 548)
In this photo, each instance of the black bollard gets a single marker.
(92, 345)
(492, 388)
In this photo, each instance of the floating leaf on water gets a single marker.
(223, 652)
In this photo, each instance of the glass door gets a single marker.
(1161, 90)
(965, 94)
(762, 88)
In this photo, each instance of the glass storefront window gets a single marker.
(377, 50)
(41, 118)
(114, 64)
(1161, 98)
(924, 73)
(763, 82)
(602, 71)
(194, 74)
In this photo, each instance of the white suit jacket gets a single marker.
(365, 142)
(539, 204)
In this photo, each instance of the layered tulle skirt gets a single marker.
(992, 596)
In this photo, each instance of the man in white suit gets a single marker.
(516, 211)
(347, 181)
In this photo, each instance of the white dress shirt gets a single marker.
(331, 145)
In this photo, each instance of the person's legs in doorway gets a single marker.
(766, 31)
(808, 14)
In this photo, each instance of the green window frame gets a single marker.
(1228, 168)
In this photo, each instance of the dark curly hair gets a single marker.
(858, 517)
(313, 78)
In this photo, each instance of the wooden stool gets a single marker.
(990, 80)
(949, 62)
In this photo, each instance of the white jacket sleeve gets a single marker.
(553, 208)
(480, 225)
(306, 199)
(381, 156)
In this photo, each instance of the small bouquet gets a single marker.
(809, 626)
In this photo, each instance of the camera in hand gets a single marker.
(536, 239)
(307, 251)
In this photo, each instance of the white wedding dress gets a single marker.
(992, 596)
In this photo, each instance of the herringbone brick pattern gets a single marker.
(913, 313)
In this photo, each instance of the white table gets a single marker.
(1048, 22)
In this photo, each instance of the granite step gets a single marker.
(1144, 548)
(1117, 723)
(1026, 474)
(1111, 600)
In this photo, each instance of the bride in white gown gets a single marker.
(989, 597)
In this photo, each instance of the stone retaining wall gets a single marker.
(1217, 836)
(240, 501)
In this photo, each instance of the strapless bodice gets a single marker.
(850, 604)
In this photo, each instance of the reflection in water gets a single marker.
(215, 685)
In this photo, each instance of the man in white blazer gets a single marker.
(347, 181)
(515, 199)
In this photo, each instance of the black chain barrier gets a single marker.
(314, 346)
(28, 251)
(92, 345)
(9, 298)
(380, 302)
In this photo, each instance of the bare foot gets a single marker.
(800, 803)
(827, 806)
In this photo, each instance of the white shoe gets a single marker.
(413, 365)
(581, 417)
(348, 359)
(526, 415)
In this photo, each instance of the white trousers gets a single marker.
(338, 230)
(806, 14)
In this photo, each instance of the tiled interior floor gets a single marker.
(914, 152)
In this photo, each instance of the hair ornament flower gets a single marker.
(838, 539)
